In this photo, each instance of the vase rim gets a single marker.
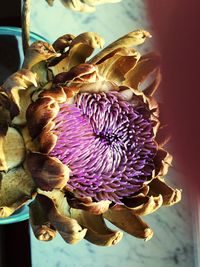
(12, 30)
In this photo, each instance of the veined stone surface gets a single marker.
(172, 244)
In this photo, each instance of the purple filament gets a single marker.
(108, 145)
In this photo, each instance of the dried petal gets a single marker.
(142, 192)
(59, 199)
(92, 39)
(77, 5)
(130, 223)
(4, 114)
(21, 79)
(16, 188)
(29, 143)
(63, 42)
(131, 39)
(24, 102)
(47, 141)
(152, 88)
(141, 205)
(117, 64)
(39, 221)
(146, 65)
(88, 205)
(40, 113)
(162, 162)
(80, 48)
(37, 52)
(16, 87)
(47, 172)
(169, 194)
(44, 75)
(82, 5)
(50, 2)
(57, 93)
(97, 231)
(98, 87)
(68, 228)
(81, 73)
(12, 149)
(163, 135)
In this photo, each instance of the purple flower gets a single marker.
(94, 144)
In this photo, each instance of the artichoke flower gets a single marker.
(82, 136)
(82, 5)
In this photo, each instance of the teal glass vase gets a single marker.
(11, 55)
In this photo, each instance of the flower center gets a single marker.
(108, 145)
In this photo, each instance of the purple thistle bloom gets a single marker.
(107, 144)
(88, 141)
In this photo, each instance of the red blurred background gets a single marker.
(176, 27)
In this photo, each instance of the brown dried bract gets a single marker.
(47, 172)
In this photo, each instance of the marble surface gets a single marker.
(172, 244)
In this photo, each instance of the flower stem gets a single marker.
(25, 24)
